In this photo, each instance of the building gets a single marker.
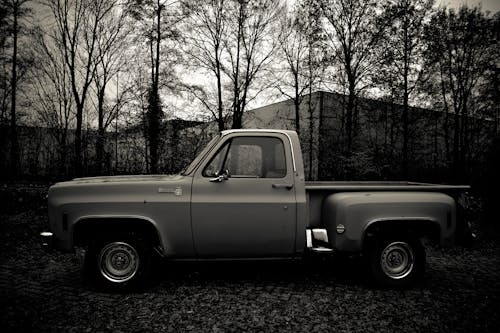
(376, 152)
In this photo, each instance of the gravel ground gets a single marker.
(46, 292)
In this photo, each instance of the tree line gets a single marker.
(75, 65)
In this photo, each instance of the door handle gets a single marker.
(287, 186)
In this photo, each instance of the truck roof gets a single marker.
(262, 130)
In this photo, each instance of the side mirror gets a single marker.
(223, 176)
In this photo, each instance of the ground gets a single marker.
(46, 291)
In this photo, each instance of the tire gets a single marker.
(396, 262)
(119, 263)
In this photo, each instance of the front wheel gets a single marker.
(118, 263)
(396, 261)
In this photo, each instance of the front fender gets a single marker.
(97, 224)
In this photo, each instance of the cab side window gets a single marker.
(249, 157)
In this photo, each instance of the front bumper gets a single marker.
(46, 240)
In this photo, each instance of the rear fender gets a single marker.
(413, 226)
(349, 217)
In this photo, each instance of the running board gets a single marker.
(321, 249)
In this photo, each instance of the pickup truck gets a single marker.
(244, 197)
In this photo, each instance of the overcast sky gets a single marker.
(490, 5)
(487, 5)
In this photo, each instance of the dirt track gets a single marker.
(46, 292)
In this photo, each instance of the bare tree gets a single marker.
(109, 61)
(489, 87)
(294, 50)
(353, 38)
(4, 60)
(299, 68)
(311, 27)
(250, 46)
(17, 9)
(462, 47)
(403, 48)
(76, 31)
(52, 98)
(234, 41)
(159, 21)
(154, 102)
(206, 31)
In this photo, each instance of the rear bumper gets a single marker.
(46, 240)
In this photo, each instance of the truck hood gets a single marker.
(115, 189)
(118, 184)
(122, 179)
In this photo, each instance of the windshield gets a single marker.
(188, 169)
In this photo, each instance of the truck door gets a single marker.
(243, 198)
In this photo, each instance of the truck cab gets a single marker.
(243, 201)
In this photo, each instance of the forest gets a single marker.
(78, 76)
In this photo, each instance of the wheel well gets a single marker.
(415, 228)
(86, 230)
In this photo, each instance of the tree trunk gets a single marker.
(310, 110)
(237, 116)
(405, 100)
(311, 118)
(464, 141)
(220, 109)
(405, 129)
(100, 133)
(350, 118)
(297, 105)
(154, 111)
(153, 130)
(456, 146)
(14, 144)
(63, 151)
(78, 139)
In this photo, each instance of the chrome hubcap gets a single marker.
(397, 260)
(118, 262)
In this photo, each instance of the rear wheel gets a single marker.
(396, 261)
(119, 262)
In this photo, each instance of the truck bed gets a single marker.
(316, 191)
